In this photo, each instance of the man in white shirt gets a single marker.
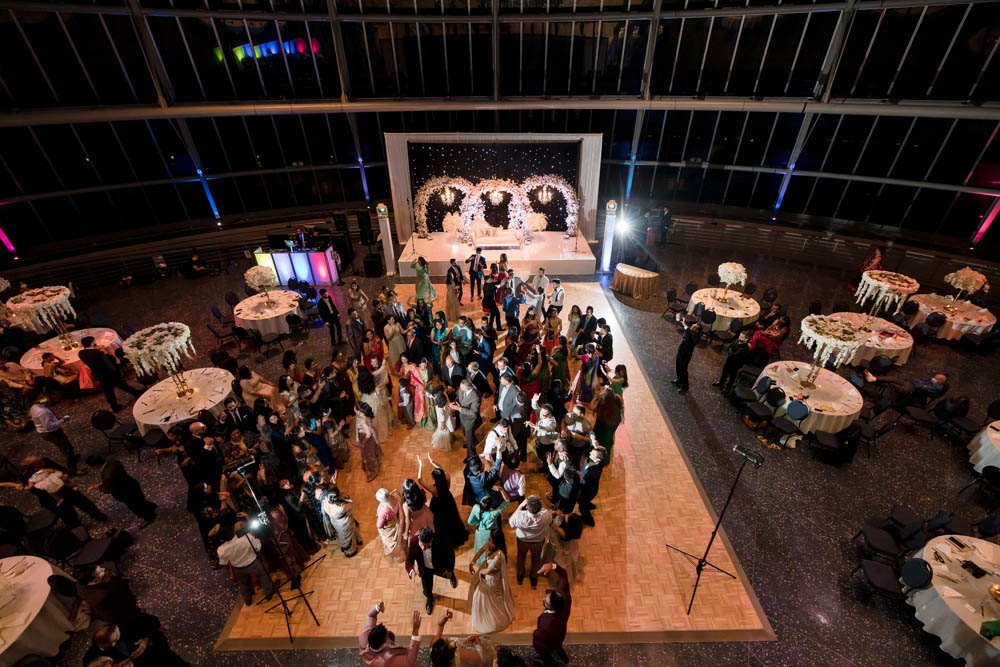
(498, 442)
(240, 551)
(50, 428)
(557, 296)
(546, 430)
(530, 522)
(540, 283)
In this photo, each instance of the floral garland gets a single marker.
(160, 346)
(885, 288)
(732, 273)
(568, 192)
(260, 276)
(827, 336)
(473, 207)
(423, 197)
(966, 280)
(42, 308)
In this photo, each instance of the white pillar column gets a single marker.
(382, 211)
(610, 218)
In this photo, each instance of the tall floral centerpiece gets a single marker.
(731, 273)
(45, 308)
(260, 278)
(4, 310)
(831, 340)
(161, 347)
(965, 280)
(884, 289)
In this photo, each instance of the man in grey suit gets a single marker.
(467, 405)
(355, 332)
(504, 404)
(451, 374)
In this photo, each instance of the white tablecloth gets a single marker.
(37, 618)
(968, 318)
(984, 449)
(161, 408)
(254, 313)
(727, 308)
(949, 607)
(897, 346)
(107, 340)
(833, 403)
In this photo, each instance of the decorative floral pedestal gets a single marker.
(161, 347)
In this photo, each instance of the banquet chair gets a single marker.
(713, 280)
(937, 522)
(265, 342)
(988, 527)
(789, 425)
(870, 412)
(881, 579)
(74, 548)
(222, 359)
(242, 336)
(763, 410)
(959, 410)
(749, 289)
(878, 364)
(115, 431)
(782, 310)
(232, 300)
(708, 318)
(959, 526)
(745, 379)
(728, 335)
(919, 332)
(689, 289)
(816, 307)
(769, 296)
(912, 536)
(296, 325)
(857, 381)
(935, 321)
(933, 418)
(916, 573)
(967, 427)
(674, 305)
(988, 479)
(222, 337)
(217, 314)
(694, 315)
(250, 291)
(879, 543)
(832, 446)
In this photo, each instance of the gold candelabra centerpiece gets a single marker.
(260, 278)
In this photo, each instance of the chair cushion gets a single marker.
(919, 414)
(903, 516)
(786, 426)
(881, 576)
(916, 573)
(988, 527)
(959, 526)
(92, 552)
(965, 424)
(880, 540)
(121, 430)
(759, 410)
(744, 394)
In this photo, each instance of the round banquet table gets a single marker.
(949, 607)
(984, 448)
(886, 339)
(729, 306)
(105, 339)
(833, 403)
(254, 313)
(967, 318)
(32, 618)
(635, 282)
(161, 408)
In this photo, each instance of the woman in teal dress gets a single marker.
(439, 335)
(560, 364)
(486, 516)
(424, 289)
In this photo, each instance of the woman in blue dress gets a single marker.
(425, 290)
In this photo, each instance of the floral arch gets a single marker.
(430, 187)
(568, 192)
(518, 209)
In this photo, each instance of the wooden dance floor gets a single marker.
(633, 589)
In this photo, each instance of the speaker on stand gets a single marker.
(340, 222)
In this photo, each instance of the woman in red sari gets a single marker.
(770, 339)
(372, 349)
(529, 336)
(418, 384)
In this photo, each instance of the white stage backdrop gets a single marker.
(396, 147)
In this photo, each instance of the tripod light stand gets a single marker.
(748, 457)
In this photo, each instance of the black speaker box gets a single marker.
(364, 219)
(342, 242)
(373, 266)
(340, 222)
(367, 237)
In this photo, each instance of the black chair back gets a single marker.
(816, 307)
(938, 521)
(671, 295)
(770, 294)
(936, 320)
(690, 289)
(857, 381)
(708, 317)
(232, 299)
(103, 420)
(993, 411)
(699, 309)
(880, 364)
(775, 397)
(736, 326)
(749, 289)
(293, 284)
(910, 308)
(916, 573)
(713, 280)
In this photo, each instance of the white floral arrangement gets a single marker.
(451, 223)
(257, 277)
(160, 346)
(885, 288)
(473, 206)
(965, 280)
(731, 273)
(559, 183)
(42, 308)
(4, 284)
(480, 228)
(423, 197)
(537, 222)
(829, 336)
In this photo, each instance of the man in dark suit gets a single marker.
(116, 482)
(478, 379)
(238, 415)
(330, 315)
(590, 475)
(50, 484)
(467, 404)
(477, 264)
(692, 334)
(452, 374)
(586, 327)
(519, 418)
(483, 350)
(430, 555)
(551, 631)
(455, 277)
(106, 371)
(606, 342)
(355, 332)
(489, 291)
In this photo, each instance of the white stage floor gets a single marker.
(547, 249)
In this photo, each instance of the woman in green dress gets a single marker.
(560, 364)
(486, 516)
(619, 382)
(425, 290)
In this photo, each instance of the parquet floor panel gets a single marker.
(633, 589)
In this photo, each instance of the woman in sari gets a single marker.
(388, 521)
(770, 339)
(419, 376)
(352, 375)
(336, 443)
(552, 330)
(451, 308)
(297, 554)
(340, 511)
(253, 386)
(575, 315)
(54, 368)
(527, 378)
(529, 335)
(560, 362)
(439, 336)
(416, 513)
(383, 388)
(367, 440)
(373, 349)
(491, 600)
(585, 383)
(421, 311)
(359, 301)
(396, 342)
(382, 412)
(424, 290)
(447, 520)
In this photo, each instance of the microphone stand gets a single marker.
(748, 457)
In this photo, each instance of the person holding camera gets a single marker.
(239, 549)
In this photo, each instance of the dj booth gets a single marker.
(316, 267)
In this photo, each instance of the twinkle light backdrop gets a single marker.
(474, 162)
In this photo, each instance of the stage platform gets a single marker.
(633, 590)
(560, 256)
